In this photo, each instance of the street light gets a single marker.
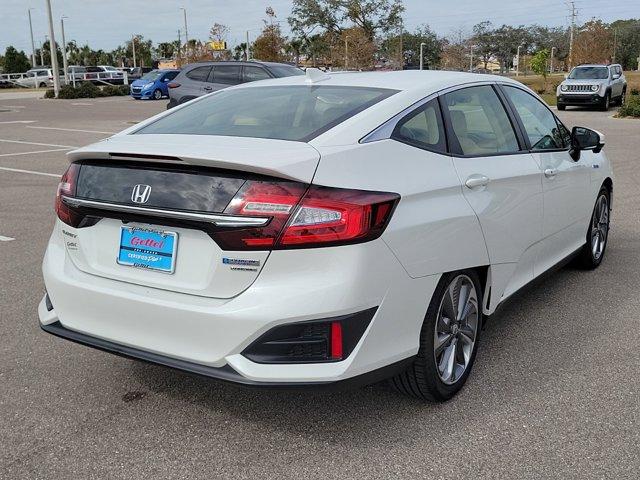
(518, 69)
(65, 64)
(54, 56)
(422, 45)
(33, 46)
(186, 32)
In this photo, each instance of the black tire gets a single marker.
(421, 379)
(561, 107)
(606, 102)
(157, 94)
(590, 258)
(623, 97)
(42, 85)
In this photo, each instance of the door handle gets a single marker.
(476, 180)
(208, 89)
(550, 172)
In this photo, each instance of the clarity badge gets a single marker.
(242, 264)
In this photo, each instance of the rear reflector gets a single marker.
(336, 340)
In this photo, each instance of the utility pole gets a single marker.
(33, 46)
(133, 47)
(186, 33)
(246, 50)
(518, 67)
(65, 65)
(471, 61)
(54, 56)
(422, 45)
(574, 14)
(553, 49)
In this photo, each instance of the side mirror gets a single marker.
(583, 138)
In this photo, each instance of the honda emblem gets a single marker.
(140, 193)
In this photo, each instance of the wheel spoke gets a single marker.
(448, 304)
(466, 336)
(442, 341)
(463, 298)
(448, 361)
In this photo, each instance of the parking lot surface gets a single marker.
(555, 391)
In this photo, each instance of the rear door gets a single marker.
(223, 76)
(196, 84)
(500, 180)
(565, 181)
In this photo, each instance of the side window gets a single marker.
(226, 74)
(199, 74)
(251, 74)
(480, 123)
(423, 128)
(170, 76)
(539, 123)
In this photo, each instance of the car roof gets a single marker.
(596, 65)
(233, 62)
(406, 80)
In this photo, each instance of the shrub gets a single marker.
(631, 108)
(88, 90)
(635, 91)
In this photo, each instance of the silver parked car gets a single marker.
(199, 79)
(593, 85)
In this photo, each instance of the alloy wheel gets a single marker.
(456, 329)
(599, 227)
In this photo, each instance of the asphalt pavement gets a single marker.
(555, 391)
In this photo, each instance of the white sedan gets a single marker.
(323, 230)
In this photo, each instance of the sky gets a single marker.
(106, 24)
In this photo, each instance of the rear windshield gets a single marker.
(297, 113)
(589, 73)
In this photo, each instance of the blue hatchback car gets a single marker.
(153, 84)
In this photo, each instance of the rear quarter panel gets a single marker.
(433, 229)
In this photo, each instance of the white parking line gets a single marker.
(29, 171)
(31, 153)
(5, 239)
(73, 130)
(19, 121)
(81, 103)
(34, 143)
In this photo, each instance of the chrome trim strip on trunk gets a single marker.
(218, 220)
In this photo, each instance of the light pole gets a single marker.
(246, 50)
(133, 48)
(346, 50)
(42, 51)
(518, 62)
(33, 45)
(186, 33)
(471, 61)
(553, 49)
(54, 56)
(422, 45)
(65, 65)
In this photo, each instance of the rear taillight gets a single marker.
(67, 187)
(321, 216)
(173, 85)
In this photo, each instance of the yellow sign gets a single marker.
(218, 45)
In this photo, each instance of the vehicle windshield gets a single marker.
(152, 76)
(297, 113)
(285, 71)
(589, 73)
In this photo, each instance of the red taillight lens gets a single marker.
(330, 216)
(322, 216)
(173, 85)
(67, 187)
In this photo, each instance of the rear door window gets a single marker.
(479, 122)
(199, 74)
(226, 74)
(252, 74)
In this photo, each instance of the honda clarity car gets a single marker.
(323, 230)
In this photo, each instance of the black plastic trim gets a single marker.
(225, 373)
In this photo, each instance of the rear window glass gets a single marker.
(285, 71)
(199, 74)
(297, 113)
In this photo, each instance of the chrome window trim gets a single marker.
(218, 220)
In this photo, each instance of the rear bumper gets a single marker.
(225, 373)
(202, 334)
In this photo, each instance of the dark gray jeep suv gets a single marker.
(198, 79)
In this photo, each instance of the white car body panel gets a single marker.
(514, 228)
